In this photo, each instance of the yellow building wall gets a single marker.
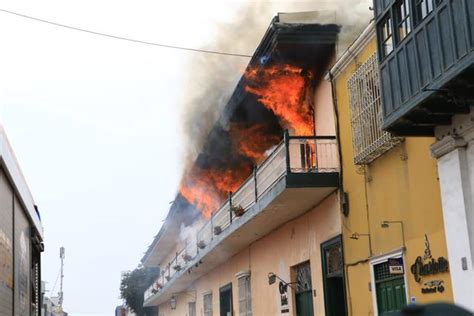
(293, 243)
(401, 185)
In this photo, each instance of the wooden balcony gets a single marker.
(426, 68)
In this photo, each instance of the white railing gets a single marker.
(293, 155)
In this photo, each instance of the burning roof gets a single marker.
(274, 93)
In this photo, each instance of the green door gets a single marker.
(303, 290)
(304, 303)
(390, 290)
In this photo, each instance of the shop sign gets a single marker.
(433, 287)
(283, 288)
(395, 265)
(426, 266)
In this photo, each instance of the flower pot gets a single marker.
(217, 230)
(238, 210)
(201, 244)
(187, 258)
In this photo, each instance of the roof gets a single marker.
(12, 169)
(286, 31)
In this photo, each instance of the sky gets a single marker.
(95, 125)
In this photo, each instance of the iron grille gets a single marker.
(334, 262)
(381, 271)
(368, 140)
(303, 277)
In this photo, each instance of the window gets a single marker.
(386, 36)
(368, 139)
(245, 298)
(207, 302)
(402, 11)
(192, 308)
(422, 9)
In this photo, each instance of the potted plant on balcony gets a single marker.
(186, 257)
(238, 210)
(217, 230)
(201, 244)
(167, 278)
(177, 267)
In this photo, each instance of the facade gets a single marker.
(393, 231)
(426, 67)
(274, 247)
(21, 239)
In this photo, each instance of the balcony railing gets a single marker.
(301, 155)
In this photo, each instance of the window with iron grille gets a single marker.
(207, 300)
(245, 298)
(303, 277)
(192, 308)
(368, 139)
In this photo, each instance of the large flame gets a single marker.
(283, 90)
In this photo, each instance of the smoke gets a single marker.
(212, 78)
(189, 233)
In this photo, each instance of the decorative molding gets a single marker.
(446, 145)
(242, 274)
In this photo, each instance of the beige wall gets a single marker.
(295, 242)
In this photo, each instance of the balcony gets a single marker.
(426, 63)
(297, 175)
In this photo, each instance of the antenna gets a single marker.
(61, 293)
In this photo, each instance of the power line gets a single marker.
(124, 38)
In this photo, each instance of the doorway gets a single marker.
(225, 300)
(303, 290)
(333, 277)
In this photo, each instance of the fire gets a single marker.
(283, 90)
(253, 141)
(207, 189)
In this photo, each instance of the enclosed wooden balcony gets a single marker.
(426, 62)
(296, 176)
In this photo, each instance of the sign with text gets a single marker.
(395, 265)
(283, 288)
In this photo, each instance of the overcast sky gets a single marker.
(95, 126)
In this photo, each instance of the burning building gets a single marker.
(258, 213)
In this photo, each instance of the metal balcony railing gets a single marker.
(313, 154)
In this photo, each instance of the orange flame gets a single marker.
(253, 141)
(207, 189)
(283, 90)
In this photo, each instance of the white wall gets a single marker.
(455, 153)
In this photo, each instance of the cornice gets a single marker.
(446, 145)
